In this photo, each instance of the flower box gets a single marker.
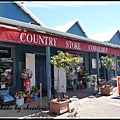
(59, 107)
(107, 90)
(20, 101)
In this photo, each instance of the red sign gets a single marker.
(39, 39)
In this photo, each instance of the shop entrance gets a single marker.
(40, 72)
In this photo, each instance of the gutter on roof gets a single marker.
(53, 32)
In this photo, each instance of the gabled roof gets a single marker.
(66, 26)
(29, 13)
(104, 36)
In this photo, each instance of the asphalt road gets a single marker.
(98, 106)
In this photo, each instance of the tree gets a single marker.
(107, 63)
(62, 60)
(118, 62)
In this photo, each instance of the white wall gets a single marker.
(30, 64)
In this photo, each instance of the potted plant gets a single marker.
(118, 62)
(107, 63)
(107, 90)
(35, 92)
(19, 95)
(84, 80)
(28, 96)
(86, 72)
(61, 60)
(88, 83)
(82, 87)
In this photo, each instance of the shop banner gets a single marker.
(15, 35)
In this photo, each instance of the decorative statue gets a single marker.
(27, 75)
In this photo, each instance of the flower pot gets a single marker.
(27, 98)
(82, 87)
(59, 107)
(107, 90)
(20, 101)
(35, 96)
(88, 84)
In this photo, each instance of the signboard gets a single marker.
(40, 39)
(118, 84)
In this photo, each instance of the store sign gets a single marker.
(73, 45)
(95, 48)
(44, 40)
(40, 39)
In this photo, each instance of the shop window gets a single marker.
(6, 67)
(94, 63)
(76, 72)
(118, 64)
(71, 74)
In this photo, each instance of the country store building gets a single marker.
(24, 45)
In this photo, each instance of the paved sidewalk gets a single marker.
(85, 97)
(86, 105)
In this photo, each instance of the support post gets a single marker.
(48, 73)
(116, 64)
(98, 62)
(41, 95)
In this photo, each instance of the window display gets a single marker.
(6, 66)
(75, 73)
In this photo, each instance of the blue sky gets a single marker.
(95, 16)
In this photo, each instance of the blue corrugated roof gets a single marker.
(66, 26)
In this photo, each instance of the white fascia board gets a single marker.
(29, 13)
(51, 31)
